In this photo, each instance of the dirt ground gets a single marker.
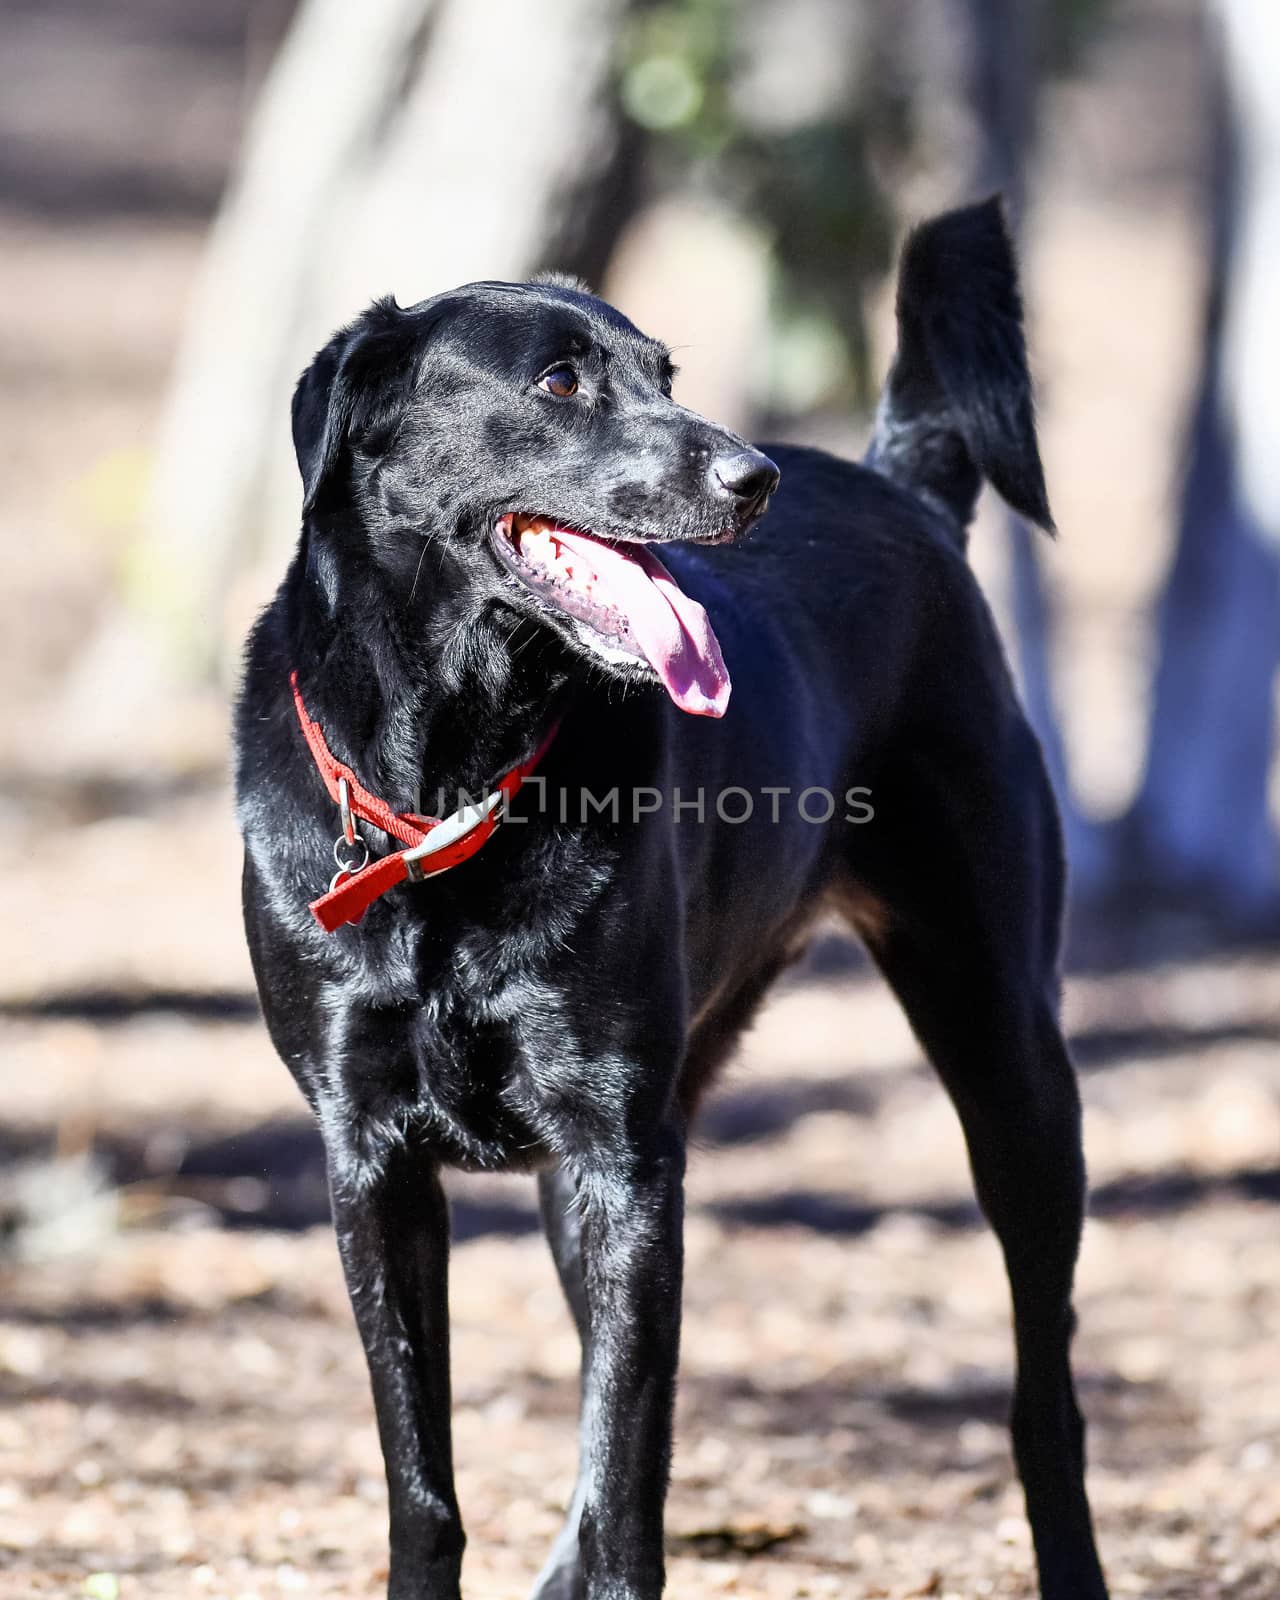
(183, 1406)
(183, 1403)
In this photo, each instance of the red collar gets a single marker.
(432, 844)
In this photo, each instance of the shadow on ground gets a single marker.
(271, 1175)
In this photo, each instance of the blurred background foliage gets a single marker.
(815, 172)
(737, 173)
(804, 173)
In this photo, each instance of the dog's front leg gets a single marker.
(394, 1242)
(392, 1224)
(632, 1258)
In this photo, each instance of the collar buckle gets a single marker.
(417, 862)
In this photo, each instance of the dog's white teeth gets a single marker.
(538, 545)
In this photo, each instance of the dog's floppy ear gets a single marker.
(353, 394)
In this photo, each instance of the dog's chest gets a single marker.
(491, 1025)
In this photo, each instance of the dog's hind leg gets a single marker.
(971, 883)
(561, 1577)
(1005, 1065)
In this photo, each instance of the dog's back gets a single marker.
(844, 543)
(858, 632)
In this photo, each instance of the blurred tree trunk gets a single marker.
(1002, 48)
(398, 146)
(1200, 826)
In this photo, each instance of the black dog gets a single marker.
(488, 475)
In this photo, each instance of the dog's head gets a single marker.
(520, 440)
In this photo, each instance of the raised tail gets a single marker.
(957, 404)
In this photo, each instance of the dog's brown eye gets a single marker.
(560, 381)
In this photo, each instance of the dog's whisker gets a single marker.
(417, 571)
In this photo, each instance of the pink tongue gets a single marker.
(672, 630)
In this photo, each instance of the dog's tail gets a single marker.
(957, 405)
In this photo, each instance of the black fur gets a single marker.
(560, 1002)
(958, 406)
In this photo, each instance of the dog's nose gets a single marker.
(747, 475)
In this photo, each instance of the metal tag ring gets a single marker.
(351, 864)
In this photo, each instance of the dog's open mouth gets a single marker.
(626, 597)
